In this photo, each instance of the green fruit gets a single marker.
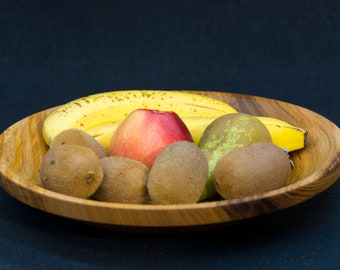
(226, 133)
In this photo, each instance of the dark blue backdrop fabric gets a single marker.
(55, 51)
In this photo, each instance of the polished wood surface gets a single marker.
(317, 167)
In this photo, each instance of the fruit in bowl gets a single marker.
(226, 133)
(140, 129)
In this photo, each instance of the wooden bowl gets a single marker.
(316, 168)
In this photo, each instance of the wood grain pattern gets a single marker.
(316, 168)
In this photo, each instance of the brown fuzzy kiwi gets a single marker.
(178, 175)
(71, 169)
(77, 136)
(250, 170)
(124, 181)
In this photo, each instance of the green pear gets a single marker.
(226, 133)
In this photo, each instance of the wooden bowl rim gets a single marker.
(289, 189)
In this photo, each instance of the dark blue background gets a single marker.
(55, 51)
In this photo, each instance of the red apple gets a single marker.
(144, 133)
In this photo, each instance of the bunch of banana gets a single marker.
(100, 114)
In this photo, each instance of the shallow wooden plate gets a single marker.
(317, 167)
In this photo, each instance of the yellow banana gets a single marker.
(103, 133)
(108, 107)
(100, 114)
(285, 135)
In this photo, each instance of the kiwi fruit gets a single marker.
(178, 175)
(77, 136)
(250, 170)
(71, 169)
(124, 181)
